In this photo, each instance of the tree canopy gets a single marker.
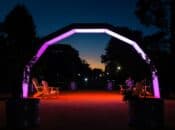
(61, 63)
(121, 54)
(18, 46)
(161, 45)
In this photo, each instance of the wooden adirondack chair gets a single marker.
(44, 90)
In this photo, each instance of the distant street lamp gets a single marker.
(118, 68)
(86, 79)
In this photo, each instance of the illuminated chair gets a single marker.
(44, 90)
(38, 88)
(48, 89)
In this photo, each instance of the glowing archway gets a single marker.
(86, 28)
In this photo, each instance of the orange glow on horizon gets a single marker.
(97, 65)
(94, 62)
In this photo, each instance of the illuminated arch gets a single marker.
(86, 28)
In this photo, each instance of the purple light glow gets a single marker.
(52, 41)
(93, 30)
(25, 84)
(25, 90)
(60, 37)
(41, 51)
(155, 85)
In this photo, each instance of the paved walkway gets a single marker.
(91, 111)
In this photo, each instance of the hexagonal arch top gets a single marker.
(86, 28)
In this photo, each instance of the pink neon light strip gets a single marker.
(41, 50)
(60, 37)
(111, 33)
(155, 85)
(52, 41)
(25, 90)
(25, 86)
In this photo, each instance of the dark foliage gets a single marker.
(17, 47)
(121, 54)
(60, 65)
(161, 46)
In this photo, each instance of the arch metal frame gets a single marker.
(86, 28)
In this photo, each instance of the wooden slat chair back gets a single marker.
(44, 89)
(36, 85)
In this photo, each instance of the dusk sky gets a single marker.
(51, 15)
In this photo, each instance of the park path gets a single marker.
(86, 110)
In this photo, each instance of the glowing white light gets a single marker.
(118, 36)
(118, 67)
(86, 79)
(89, 30)
(128, 41)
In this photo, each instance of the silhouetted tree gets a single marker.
(151, 12)
(3, 57)
(1, 28)
(121, 54)
(20, 30)
(61, 63)
(85, 68)
(160, 14)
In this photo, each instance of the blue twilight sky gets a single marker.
(51, 15)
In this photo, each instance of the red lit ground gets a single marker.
(90, 110)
